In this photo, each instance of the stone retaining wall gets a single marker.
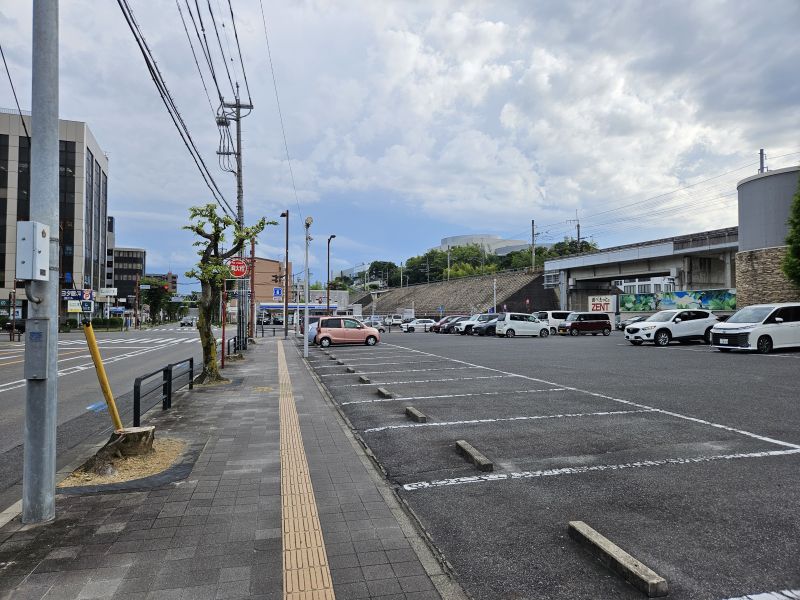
(760, 279)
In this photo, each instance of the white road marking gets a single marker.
(419, 485)
(714, 351)
(404, 371)
(626, 402)
(526, 418)
(413, 362)
(782, 595)
(465, 395)
(421, 380)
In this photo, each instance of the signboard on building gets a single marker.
(73, 306)
(277, 292)
(108, 291)
(144, 286)
(77, 294)
(238, 267)
(87, 306)
(601, 304)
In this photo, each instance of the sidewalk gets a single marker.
(235, 526)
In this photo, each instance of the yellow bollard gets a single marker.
(101, 374)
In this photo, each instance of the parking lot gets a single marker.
(685, 457)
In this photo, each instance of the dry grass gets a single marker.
(165, 452)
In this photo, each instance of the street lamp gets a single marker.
(286, 289)
(308, 223)
(328, 309)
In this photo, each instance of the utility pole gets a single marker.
(234, 112)
(494, 294)
(286, 289)
(448, 263)
(533, 245)
(761, 160)
(253, 288)
(41, 391)
(308, 223)
(328, 306)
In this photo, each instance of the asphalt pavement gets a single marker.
(82, 416)
(683, 456)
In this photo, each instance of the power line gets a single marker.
(221, 51)
(188, 37)
(239, 48)
(280, 113)
(13, 91)
(172, 108)
(204, 44)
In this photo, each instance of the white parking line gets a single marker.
(419, 485)
(420, 380)
(404, 371)
(626, 402)
(714, 351)
(782, 595)
(465, 395)
(482, 421)
(413, 362)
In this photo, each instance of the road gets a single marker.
(82, 416)
(685, 457)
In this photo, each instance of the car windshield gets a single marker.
(484, 318)
(572, 317)
(662, 317)
(751, 314)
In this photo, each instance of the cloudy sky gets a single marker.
(410, 121)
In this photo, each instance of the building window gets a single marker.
(630, 289)
(656, 288)
(643, 289)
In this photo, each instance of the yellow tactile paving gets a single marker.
(306, 575)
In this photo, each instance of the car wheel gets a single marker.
(662, 338)
(636, 342)
(707, 336)
(510, 333)
(410, 330)
(325, 342)
(606, 331)
(764, 344)
(544, 333)
(553, 330)
(371, 340)
(573, 332)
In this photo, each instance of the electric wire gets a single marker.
(13, 91)
(204, 44)
(171, 107)
(221, 51)
(280, 113)
(239, 48)
(227, 42)
(196, 62)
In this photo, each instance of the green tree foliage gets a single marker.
(210, 229)
(791, 262)
(156, 298)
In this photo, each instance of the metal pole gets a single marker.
(252, 295)
(533, 245)
(494, 294)
(286, 288)
(41, 395)
(328, 308)
(309, 220)
(224, 318)
(761, 158)
(239, 217)
(91, 342)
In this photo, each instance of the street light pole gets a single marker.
(308, 223)
(286, 289)
(328, 309)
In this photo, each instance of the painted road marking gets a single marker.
(499, 420)
(782, 595)
(380, 364)
(422, 380)
(464, 395)
(419, 485)
(403, 371)
(306, 574)
(627, 402)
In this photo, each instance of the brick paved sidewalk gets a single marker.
(218, 532)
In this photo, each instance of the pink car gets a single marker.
(345, 330)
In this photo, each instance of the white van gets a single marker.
(553, 318)
(760, 327)
(511, 324)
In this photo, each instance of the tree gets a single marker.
(791, 262)
(212, 271)
(156, 298)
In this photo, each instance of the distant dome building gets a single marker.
(764, 203)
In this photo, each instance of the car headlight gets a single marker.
(648, 327)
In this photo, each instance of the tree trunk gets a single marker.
(208, 342)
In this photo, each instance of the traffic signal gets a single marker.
(166, 287)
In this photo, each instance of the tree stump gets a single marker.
(130, 441)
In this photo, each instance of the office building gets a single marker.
(83, 202)
(129, 267)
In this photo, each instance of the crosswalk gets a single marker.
(125, 341)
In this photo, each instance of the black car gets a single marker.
(623, 324)
(19, 325)
(486, 327)
(448, 328)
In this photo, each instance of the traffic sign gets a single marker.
(144, 286)
(108, 291)
(277, 292)
(73, 306)
(238, 267)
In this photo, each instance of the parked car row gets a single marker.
(540, 324)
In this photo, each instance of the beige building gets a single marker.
(268, 275)
(83, 202)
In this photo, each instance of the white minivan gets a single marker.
(511, 324)
(553, 318)
(760, 327)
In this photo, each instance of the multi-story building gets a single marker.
(170, 279)
(83, 202)
(111, 243)
(129, 267)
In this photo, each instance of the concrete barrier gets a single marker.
(615, 558)
(415, 415)
(350, 370)
(363, 379)
(384, 393)
(475, 457)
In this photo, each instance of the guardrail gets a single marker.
(173, 378)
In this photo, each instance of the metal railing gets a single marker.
(173, 377)
(233, 346)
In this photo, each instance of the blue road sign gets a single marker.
(277, 292)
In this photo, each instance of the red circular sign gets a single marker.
(238, 267)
